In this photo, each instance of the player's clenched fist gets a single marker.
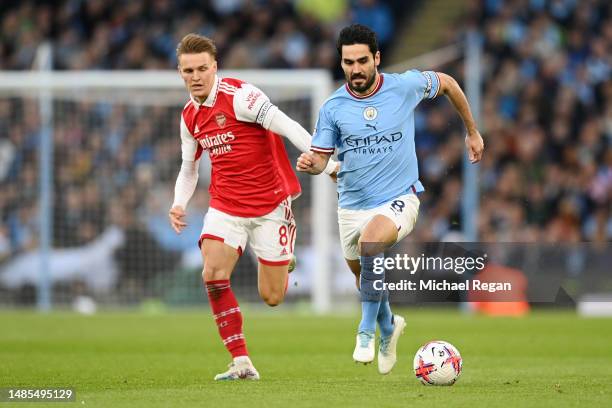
(177, 216)
(305, 163)
(474, 145)
(316, 163)
(312, 163)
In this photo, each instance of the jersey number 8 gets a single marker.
(283, 239)
(398, 206)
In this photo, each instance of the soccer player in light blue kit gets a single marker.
(370, 121)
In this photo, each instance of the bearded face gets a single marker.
(360, 67)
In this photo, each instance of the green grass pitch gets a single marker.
(169, 359)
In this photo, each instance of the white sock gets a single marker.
(242, 360)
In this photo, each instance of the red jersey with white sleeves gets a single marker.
(251, 173)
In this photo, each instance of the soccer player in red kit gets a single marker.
(252, 186)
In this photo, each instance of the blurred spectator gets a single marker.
(5, 243)
(376, 15)
(546, 106)
(140, 34)
(328, 11)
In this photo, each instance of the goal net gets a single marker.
(95, 227)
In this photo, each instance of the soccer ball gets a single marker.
(437, 363)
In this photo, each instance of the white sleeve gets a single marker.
(284, 125)
(252, 105)
(189, 146)
(187, 178)
(186, 182)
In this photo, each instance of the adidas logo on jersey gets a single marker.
(197, 129)
(284, 251)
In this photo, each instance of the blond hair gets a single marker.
(195, 44)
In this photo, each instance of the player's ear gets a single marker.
(377, 59)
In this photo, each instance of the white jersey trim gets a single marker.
(227, 88)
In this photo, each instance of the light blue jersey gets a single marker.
(374, 135)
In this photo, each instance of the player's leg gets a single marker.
(377, 235)
(364, 351)
(350, 223)
(273, 238)
(219, 259)
(272, 283)
(221, 244)
(403, 211)
(385, 318)
(355, 267)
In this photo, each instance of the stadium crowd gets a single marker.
(547, 116)
(546, 174)
(142, 34)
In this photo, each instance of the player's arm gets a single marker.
(186, 181)
(252, 105)
(284, 125)
(324, 140)
(473, 141)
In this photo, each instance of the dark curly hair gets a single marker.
(357, 34)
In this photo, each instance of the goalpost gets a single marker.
(108, 148)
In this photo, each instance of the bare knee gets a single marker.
(378, 235)
(213, 272)
(272, 283)
(219, 260)
(371, 246)
(272, 299)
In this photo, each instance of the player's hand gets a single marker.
(307, 163)
(474, 145)
(177, 218)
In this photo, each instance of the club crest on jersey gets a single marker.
(370, 113)
(221, 120)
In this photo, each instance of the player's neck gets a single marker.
(202, 99)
